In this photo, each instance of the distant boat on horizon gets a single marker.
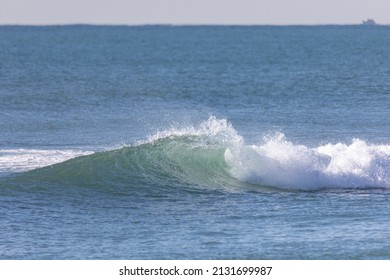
(369, 21)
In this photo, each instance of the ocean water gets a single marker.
(195, 142)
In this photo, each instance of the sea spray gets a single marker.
(217, 130)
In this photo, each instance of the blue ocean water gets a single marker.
(194, 142)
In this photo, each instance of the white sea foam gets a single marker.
(278, 162)
(19, 160)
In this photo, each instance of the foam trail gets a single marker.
(20, 160)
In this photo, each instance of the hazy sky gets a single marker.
(193, 11)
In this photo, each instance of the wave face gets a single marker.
(177, 158)
(214, 156)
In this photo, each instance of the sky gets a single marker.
(136, 12)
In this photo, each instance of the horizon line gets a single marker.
(187, 24)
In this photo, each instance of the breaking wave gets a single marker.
(214, 156)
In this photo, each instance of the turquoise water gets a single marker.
(194, 142)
